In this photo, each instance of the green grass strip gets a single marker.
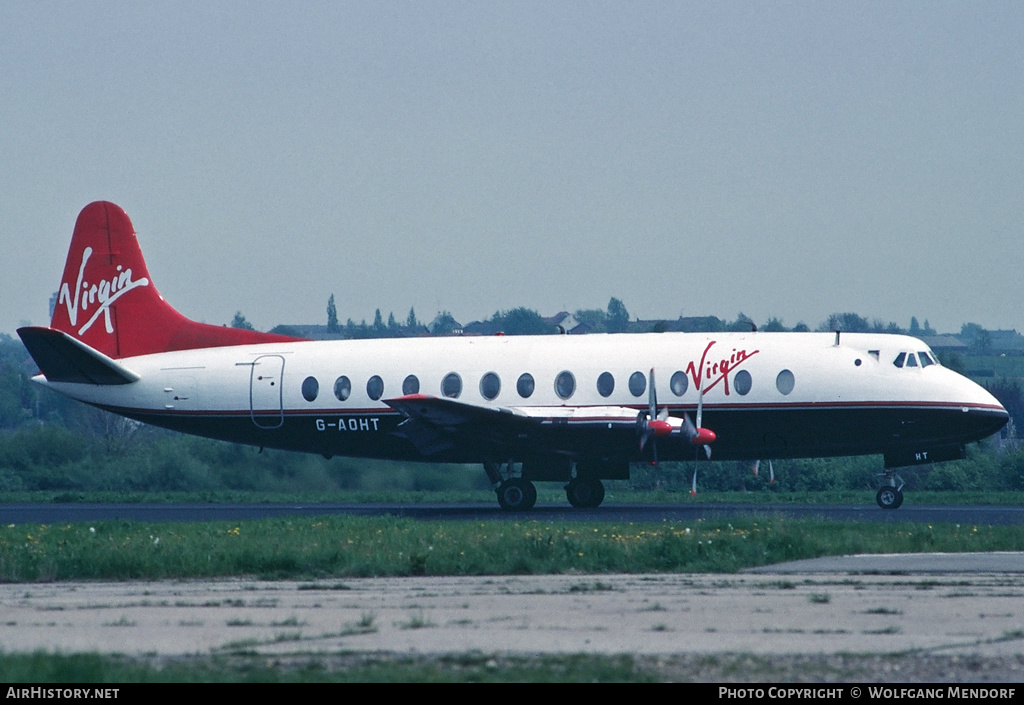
(469, 668)
(344, 546)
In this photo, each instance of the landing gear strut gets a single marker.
(514, 493)
(890, 496)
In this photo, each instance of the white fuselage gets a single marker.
(764, 394)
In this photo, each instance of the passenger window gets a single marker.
(742, 382)
(637, 384)
(605, 384)
(490, 385)
(679, 383)
(785, 382)
(451, 385)
(411, 385)
(310, 388)
(565, 384)
(375, 387)
(525, 385)
(342, 388)
(900, 359)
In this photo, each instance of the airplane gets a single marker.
(576, 410)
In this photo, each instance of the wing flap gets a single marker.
(449, 413)
(436, 424)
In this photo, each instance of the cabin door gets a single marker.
(265, 391)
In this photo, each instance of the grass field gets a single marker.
(343, 546)
(485, 668)
(994, 366)
(473, 668)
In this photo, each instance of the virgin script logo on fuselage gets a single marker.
(711, 372)
(102, 295)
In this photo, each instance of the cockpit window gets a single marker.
(909, 359)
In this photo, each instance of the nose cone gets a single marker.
(982, 413)
(984, 423)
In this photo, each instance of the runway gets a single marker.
(56, 513)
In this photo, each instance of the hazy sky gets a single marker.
(776, 158)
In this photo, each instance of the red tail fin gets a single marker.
(108, 301)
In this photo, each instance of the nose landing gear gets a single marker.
(890, 496)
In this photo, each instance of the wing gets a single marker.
(435, 425)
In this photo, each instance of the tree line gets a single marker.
(615, 318)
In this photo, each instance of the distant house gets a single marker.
(567, 323)
(445, 324)
(1006, 340)
(689, 324)
(480, 328)
(309, 331)
(944, 343)
(312, 331)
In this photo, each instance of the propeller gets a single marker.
(771, 471)
(653, 423)
(699, 436)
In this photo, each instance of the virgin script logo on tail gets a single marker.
(102, 294)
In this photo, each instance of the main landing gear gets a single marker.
(517, 494)
(514, 493)
(585, 493)
(890, 496)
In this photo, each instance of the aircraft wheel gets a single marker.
(531, 494)
(516, 495)
(585, 493)
(889, 498)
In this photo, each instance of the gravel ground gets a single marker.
(775, 625)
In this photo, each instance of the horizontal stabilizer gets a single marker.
(61, 358)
